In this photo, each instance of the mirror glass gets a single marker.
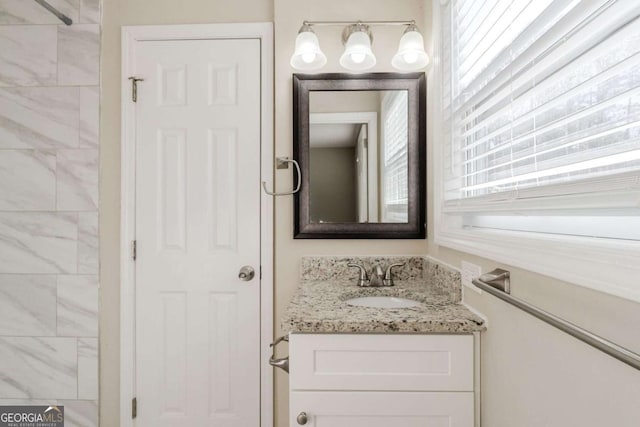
(358, 156)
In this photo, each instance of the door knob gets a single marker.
(246, 273)
(302, 418)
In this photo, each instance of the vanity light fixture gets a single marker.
(357, 54)
(357, 39)
(411, 55)
(307, 54)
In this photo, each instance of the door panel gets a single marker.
(197, 224)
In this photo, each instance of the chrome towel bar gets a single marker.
(487, 283)
(61, 16)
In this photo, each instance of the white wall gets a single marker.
(49, 101)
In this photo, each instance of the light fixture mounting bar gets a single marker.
(375, 23)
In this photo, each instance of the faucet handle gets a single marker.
(388, 277)
(362, 281)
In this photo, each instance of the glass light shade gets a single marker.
(307, 54)
(357, 54)
(411, 55)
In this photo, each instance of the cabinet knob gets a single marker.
(302, 418)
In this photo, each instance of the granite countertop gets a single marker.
(318, 307)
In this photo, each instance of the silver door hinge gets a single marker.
(134, 407)
(260, 272)
(134, 88)
(134, 249)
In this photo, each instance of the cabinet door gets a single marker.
(382, 409)
(381, 362)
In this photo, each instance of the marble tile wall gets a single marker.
(49, 159)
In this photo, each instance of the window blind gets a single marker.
(395, 184)
(539, 98)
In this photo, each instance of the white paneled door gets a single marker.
(197, 224)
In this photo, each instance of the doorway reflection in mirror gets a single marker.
(358, 156)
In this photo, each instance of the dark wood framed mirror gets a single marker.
(360, 140)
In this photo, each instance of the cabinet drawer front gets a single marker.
(382, 409)
(381, 362)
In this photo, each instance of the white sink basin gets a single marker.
(383, 302)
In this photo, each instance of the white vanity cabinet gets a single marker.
(354, 380)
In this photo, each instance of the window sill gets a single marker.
(605, 265)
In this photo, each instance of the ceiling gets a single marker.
(334, 135)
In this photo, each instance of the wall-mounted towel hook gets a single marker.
(281, 163)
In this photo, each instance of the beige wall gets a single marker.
(117, 13)
(534, 375)
(288, 16)
(333, 184)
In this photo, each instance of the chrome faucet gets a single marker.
(388, 276)
(378, 278)
(363, 279)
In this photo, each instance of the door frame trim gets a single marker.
(130, 36)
